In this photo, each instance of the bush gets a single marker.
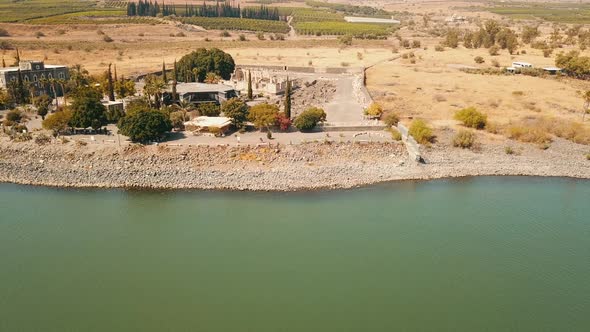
(42, 139)
(263, 115)
(4, 33)
(260, 35)
(588, 156)
(395, 134)
(177, 119)
(439, 48)
(464, 139)
(209, 109)
(391, 119)
(494, 50)
(471, 118)
(284, 122)
(345, 40)
(509, 150)
(39, 34)
(374, 111)
(421, 132)
(309, 118)
(224, 33)
(242, 37)
(14, 116)
(479, 60)
(107, 39)
(529, 134)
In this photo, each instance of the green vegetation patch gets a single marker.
(359, 30)
(232, 23)
(351, 9)
(554, 12)
(18, 11)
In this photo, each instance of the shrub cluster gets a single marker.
(464, 139)
(421, 132)
(471, 117)
(309, 118)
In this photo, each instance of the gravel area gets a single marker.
(277, 168)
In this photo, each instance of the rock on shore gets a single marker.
(276, 168)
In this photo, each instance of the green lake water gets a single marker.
(477, 254)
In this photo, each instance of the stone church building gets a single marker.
(33, 74)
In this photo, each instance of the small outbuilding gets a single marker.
(214, 124)
(552, 70)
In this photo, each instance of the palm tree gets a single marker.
(62, 84)
(153, 88)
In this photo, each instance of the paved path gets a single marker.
(344, 108)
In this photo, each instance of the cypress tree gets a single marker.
(174, 82)
(164, 78)
(3, 63)
(250, 94)
(116, 79)
(110, 85)
(288, 99)
(21, 93)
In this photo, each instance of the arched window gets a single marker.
(42, 76)
(61, 75)
(50, 76)
(26, 78)
(34, 78)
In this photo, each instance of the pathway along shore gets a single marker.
(310, 166)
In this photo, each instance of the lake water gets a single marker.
(479, 254)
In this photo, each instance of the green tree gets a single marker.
(237, 110)
(263, 115)
(174, 83)
(529, 34)
(288, 92)
(153, 89)
(145, 125)
(87, 110)
(209, 109)
(124, 88)
(250, 94)
(58, 121)
(110, 84)
(452, 38)
(42, 103)
(164, 77)
(5, 99)
(195, 65)
(309, 118)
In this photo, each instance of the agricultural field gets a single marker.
(359, 30)
(93, 17)
(578, 13)
(17, 11)
(232, 23)
(310, 14)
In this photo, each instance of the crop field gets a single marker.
(94, 17)
(360, 30)
(578, 13)
(16, 11)
(310, 14)
(232, 23)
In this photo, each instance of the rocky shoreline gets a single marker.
(312, 166)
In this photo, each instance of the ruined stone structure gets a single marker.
(264, 81)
